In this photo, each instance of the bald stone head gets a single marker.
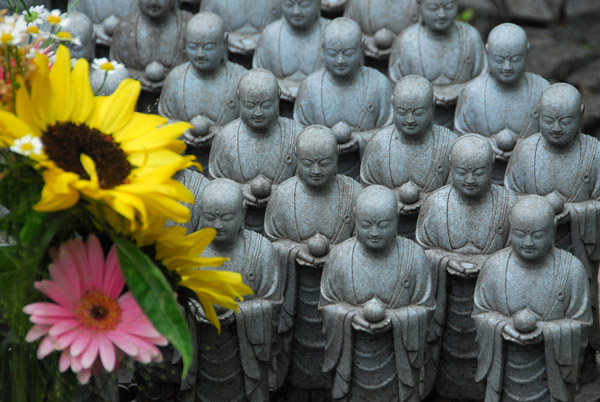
(376, 217)
(80, 27)
(156, 9)
(206, 41)
(342, 47)
(413, 106)
(561, 112)
(258, 92)
(222, 206)
(301, 14)
(471, 161)
(532, 228)
(316, 157)
(438, 15)
(507, 48)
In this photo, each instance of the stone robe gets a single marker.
(365, 105)
(232, 158)
(373, 15)
(439, 233)
(99, 10)
(357, 359)
(552, 366)
(532, 169)
(294, 216)
(185, 95)
(233, 366)
(244, 20)
(290, 56)
(389, 162)
(195, 182)
(137, 42)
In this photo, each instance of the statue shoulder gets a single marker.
(183, 15)
(267, 251)
(527, 145)
(439, 197)
(342, 250)
(313, 81)
(176, 73)
(293, 127)
(539, 81)
(469, 30)
(445, 132)
(286, 187)
(495, 265)
(575, 268)
(381, 139)
(419, 255)
(349, 183)
(230, 130)
(474, 89)
(236, 68)
(408, 35)
(271, 31)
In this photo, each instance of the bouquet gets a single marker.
(89, 271)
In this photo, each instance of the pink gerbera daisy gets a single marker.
(90, 321)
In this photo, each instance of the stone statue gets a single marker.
(105, 82)
(411, 156)
(502, 105)
(244, 20)
(532, 312)
(195, 182)
(459, 225)
(563, 165)
(256, 150)
(81, 28)
(202, 91)
(447, 52)
(380, 21)
(105, 15)
(305, 216)
(233, 366)
(151, 41)
(377, 298)
(291, 47)
(350, 99)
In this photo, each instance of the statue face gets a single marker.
(259, 106)
(300, 13)
(413, 115)
(205, 49)
(224, 215)
(376, 224)
(560, 121)
(342, 54)
(507, 61)
(531, 235)
(317, 166)
(155, 8)
(471, 174)
(438, 15)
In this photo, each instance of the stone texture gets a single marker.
(587, 78)
(534, 10)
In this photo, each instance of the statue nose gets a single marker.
(506, 66)
(441, 12)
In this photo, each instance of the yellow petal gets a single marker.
(111, 113)
(62, 99)
(157, 138)
(82, 92)
(24, 110)
(13, 127)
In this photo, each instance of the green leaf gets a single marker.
(155, 297)
(466, 16)
(34, 226)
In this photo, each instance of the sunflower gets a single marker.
(180, 253)
(97, 147)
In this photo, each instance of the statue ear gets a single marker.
(487, 50)
(582, 109)
(528, 46)
(226, 38)
(363, 43)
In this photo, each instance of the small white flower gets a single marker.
(36, 15)
(109, 66)
(55, 17)
(27, 145)
(13, 29)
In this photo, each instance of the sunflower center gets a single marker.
(65, 142)
(98, 312)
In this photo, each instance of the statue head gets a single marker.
(316, 156)
(258, 93)
(222, 207)
(532, 228)
(205, 41)
(376, 217)
(438, 15)
(80, 27)
(561, 111)
(507, 48)
(301, 14)
(342, 47)
(413, 103)
(156, 9)
(471, 161)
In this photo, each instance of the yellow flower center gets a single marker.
(6, 37)
(108, 66)
(32, 29)
(64, 35)
(98, 312)
(53, 19)
(112, 165)
(27, 146)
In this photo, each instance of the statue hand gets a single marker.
(532, 337)
(411, 209)
(227, 317)
(360, 324)
(498, 153)
(303, 257)
(382, 325)
(446, 95)
(350, 146)
(248, 196)
(509, 333)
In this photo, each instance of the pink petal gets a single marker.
(36, 332)
(65, 361)
(113, 278)
(78, 254)
(69, 269)
(47, 310)
(80, 343)
(46, 347)
(145, 330)
(65, 340)
(122, 343)
(36, 319)
(63, 326)
(84, 376)
(107, 353)
(76, 364)
(56, 293)
(90, 354)
(95, 262)
(143, 357)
